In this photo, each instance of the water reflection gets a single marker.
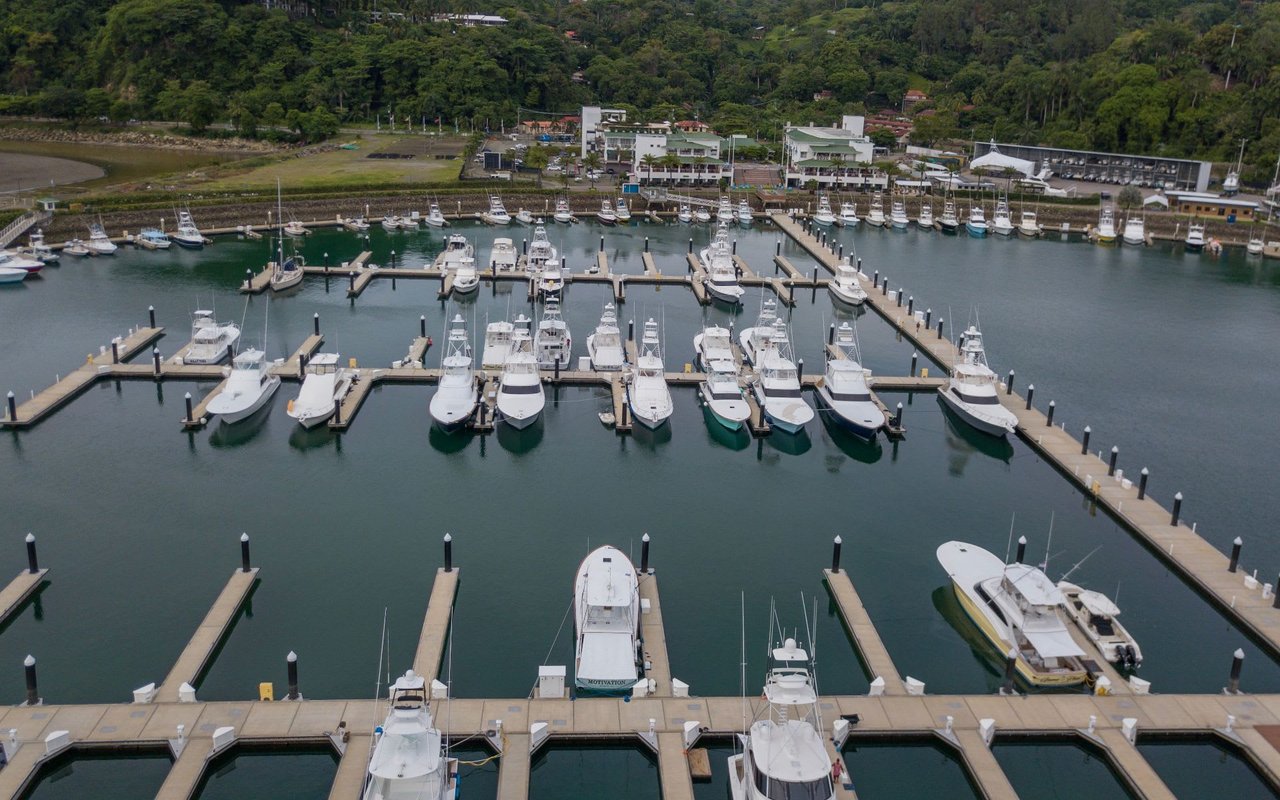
(450, 441)
(316, 438)
(792, 444)
(948, 605)
(242, 432)
(519, 442)
(650, 438)
(861, 450)
(732, 440)
(963, 441)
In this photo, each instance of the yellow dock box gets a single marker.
(688, 368)
(351, 362)
(266, 691)
(924, 372)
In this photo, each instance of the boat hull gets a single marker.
(190, 244)
(962, 411)
(312, 419)
(853, 301)
(243, 411)
(1028, 674)
(450, 417)
(975, 231)
(287, 280)
(725, 295)
(855, 427)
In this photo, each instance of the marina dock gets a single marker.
(657, 665)
(435, 625)
(19, 590)
(198, 654)
(874, 655)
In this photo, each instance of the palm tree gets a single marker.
(593, 163)
(649, 159)
(670, 161)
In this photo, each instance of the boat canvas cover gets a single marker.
(1098, 604)
(1053, 643)
(607, 656)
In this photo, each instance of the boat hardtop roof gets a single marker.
(1033, 585)
(1095, 602)
(720, 369)
(251, 358)
(610, 577)
(610, 317)
(610, 656)
(410, 680)
(202, 313)
(790, 652)
(323, 360)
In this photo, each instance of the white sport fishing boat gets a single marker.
(606, 215)
(562, 214)
(524, 216)
(1195, 240)
(875, 216)
(649, 395)
(1135, 232)
(971, 391)
(409, 758)
(1002, 222)
(685, 214)
(844, 287)
(249, 387)
(949, 221)
(99, 242)
(540, 251)
(1255, 247)
(1018, 610)
(211, 341)
(456, 248)
(295, 228)
(722, 272)
(713, 344)
(188, 235)
(604, 346)
(784, 753)
(976, 225)
(497, 344)
(777, 382)
(456, 397)
(497, 213)
(621, 211)
(322, 389)
(12, 275)
(724, 212)
(1106, 225)
(466, 278)
(551, 280)
(435, 217)
(391, 222)
(848, 214)
(520, 395)
(606, 615)
(1029, 226)
(552, 342)
(39, 250)
(745, 215)
(701, 215)
(504, 257)
(898, 215)
(723, 396)
(152, 239)
(925, 220)
(823, 216)
(1096, 615)
(76, 247)
(844, 390)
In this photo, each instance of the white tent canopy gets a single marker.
(995, 161)
(1156, 200)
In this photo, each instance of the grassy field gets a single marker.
(343, 167)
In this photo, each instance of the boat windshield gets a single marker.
(976, 399)
(607, 339)
(851, 397)
(509, 388)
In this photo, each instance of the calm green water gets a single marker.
(140, 521)
(289, 776)
(562, 772)
(110, 778)
(1058, 771)
(1198, 770)
(891, 770)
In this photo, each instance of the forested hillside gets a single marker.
(1180, 78)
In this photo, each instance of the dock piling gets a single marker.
(1111, 465)
(734, 248)
(800, 370)
(187, 399)
(602, 244)
(1233, 682)
(13, 407)
(1084, 443)
(842, 252)
(1008, 383)
(914, 355)
(231, 352)
(245, 565)
(315, 323)
(1010, 663)
(33, 693)
(777, 247)
(1142, 485)
(422, 325)
(690, 244)
(831, 335)
(646, 244)
(1236, 545)
(1031, 391)
(1177, 509)
(644, 554)
(1022, 550)
(835, 553)
(875, 279)
(448, 552)
(151, 315)
(928, 318)
(813, 295)
(1049, 419)
(302, 366)
(115, 353)
(155, 360)
(940, 321)
(292, 661)
(351, 282)
(248, 280)
(911, 304)
(33, 565)
(897, 417)
(1275, 598)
